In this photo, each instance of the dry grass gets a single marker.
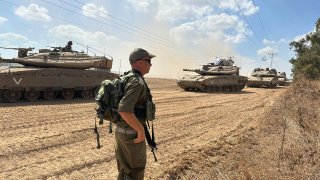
(299, 150)
(286, 144)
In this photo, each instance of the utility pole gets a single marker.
(271, 54)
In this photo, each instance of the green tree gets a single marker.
(307, 61)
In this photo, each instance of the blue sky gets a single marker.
(182, 34)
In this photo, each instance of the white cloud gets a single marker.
(275, 43)
(33, 12)
(91, 10)
(298, 38)
(96, 39)
(268, 42)
(141, 5)
(179, 10)
(267, 50)
(12, 36)
(3, 19)
(246, 6)
(282, 40)
(220, 27)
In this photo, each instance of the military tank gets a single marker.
(282, 79)
(52, 74)
(261, 77)
(221, 76)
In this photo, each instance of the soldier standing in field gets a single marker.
(130, 131)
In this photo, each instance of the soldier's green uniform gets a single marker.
(131, 157)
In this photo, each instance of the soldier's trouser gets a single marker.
(131, 157)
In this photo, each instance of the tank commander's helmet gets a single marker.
(70, 43)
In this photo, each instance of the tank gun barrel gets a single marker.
(55, 47)
(102, 63)
(24, 49)
(192, 70)
(22, 52)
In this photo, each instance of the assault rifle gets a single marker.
(151, 141)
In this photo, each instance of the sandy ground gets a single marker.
(55, 140)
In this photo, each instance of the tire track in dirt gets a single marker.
(193, 131)
(191, 154)
(46, 143)
(79, 167)
(56, 158)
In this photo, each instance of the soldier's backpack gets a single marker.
(110, 95)
(108, 98)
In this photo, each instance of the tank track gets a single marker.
(13, 96)
(216, 89)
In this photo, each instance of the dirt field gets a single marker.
(195, 132)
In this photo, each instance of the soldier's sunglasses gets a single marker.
(148, 60)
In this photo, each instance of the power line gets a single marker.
(124, 26)
(109, 25)
(245, 18)
(104, 23)
(63, 35)
(260, 19)
(232, 20)
(93, 19)
(137, 29)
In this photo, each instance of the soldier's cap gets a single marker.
(139, 53)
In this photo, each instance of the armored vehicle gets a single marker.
(282, 79)
(261, 77)
(52, 74)
(221, 76)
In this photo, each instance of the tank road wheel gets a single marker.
(206, 89)
(272, 85)
(186, 89)
(95, 91)
(1, 96)
(50, 95)
(210, 89)
(68, 93)
(31, 95)
(86, 94)
(233, 88)
(225, 89)
(239, 88)
(11, 95)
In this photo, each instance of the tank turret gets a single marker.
(51, 74)
(214, 77)
(216, 70)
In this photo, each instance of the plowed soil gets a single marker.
(196, 133)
